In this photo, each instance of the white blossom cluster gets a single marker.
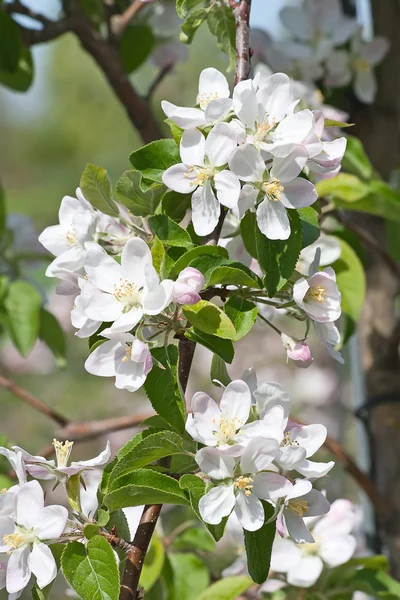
(325, 46)
(257, 149)
(27, 526)
(252, 452)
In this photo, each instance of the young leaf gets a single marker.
(176, 205)
(258, 546)
(350, 277)
(144, 487)
(310, 225)
(52, 334)
(211, 319)
(243, 315)
(153, 159)
(130, 194)
(190, 575)
(183, 7)
(383, 201)
(169, 232)
(23, 306)
(219, 371)
(228, 588)
(96, 187)
(223, 348)
(333, 123)
(193, 253)
(153, 563)
(195, 489)
(91, 570)
(195, 539)
(194, 20)
(21, 79)
(10, 43)
(355, 158)
(221, 23)
(344, 186)
(135, 46)
(163, 389)
(234, 274)
(158, 255)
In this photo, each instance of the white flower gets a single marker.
(283, 189)
(330, 252)
(318, 295)
(79, 319)
(241, 492)
(126, 291)
(66, 240)
(41, 468)
(188, 285)
(297, 350)
(213, 99)
(16, 461)
(299, 443)
(26, 538)
(200, 170)
(124, 357)
(329, 336)
(302, 501)
(327, 163)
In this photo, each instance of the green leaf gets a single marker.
(355, 158)
(144, 487)
(195, 488)
(91, 570)
(52, 334)
(193, 253)
(169, 232)
(10, 43)
(228, 588)
(383, 201)
(152, 160)
(211, 319)
(158, 255)
(176, 205)
(344, 186)
(153, 563)
(333, 123)
(350, 277)
(130, 194)
(376, 583)
(219, 371)
(377, 561)
(195, 539)
(258, 546)
(221, 23)
(155, 446)
(22, 79)
(135, 46)
(223, 348)
(183, 7)
(234, 274)
(163, 389)
(194, 20)
(176, 133)
(96, 187)
(23, 306)
(243, 315)
(3, 213)
(189, 575)
(310, 225)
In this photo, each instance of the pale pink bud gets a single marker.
(188, 285)
(298, 351)
(140, 353)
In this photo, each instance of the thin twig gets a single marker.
(121, 22)
(158, 79)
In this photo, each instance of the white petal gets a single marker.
(365, 86)
(217, 109)
(286, 169)
(220, 143)
(337, 549)
(16, 461)
(300, 488)
(317, 504)
(310, 437)
(249, 511)
(217, 504)
(297, 21)
(247, 199)
(158, 298)
(205, 419)
(271, 486)
(129, 376)
(101, 268)
(97, 461)
(54, 239)
(290, 456)
(272, 220)
(7, 526)
(18, 571)
(268, 395)
(285, 555)
(258, 455)
(215, 464)
(376, 50)
(104, 307)
(192, 147)
(245, 103)
(205, 210)
(179, 179)
(136, 263)
(29, 503)
(212, 81)
(296, 528)
(236, 402)
(227, 186)
(306, 572)
(313, 470)
(126, 321)
(276, 96)
(104, 359)
(299, 193)
(184, 117)
(72, 260)
(247, 164)
(42, 564)
(51, 522)
(3, 570)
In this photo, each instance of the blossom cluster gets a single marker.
(326, 46)
(252, 452)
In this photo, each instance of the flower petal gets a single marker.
(306, 572)
(245, 103)
(137, 265)
(272, 220)
(217, 109)
(313, 470)
(365, 86)
(180, 179)
(51, 522)
(299, 193)
(158, 298)
(217, 504)
(42, 564)
(192, 147)
(29, 502)
(215, 464)
(249, 511)
(285, 555)
(104, 359)
(18, 570)
(271, 486)
(258, 455)
(220, 143)
(227, 186)
(337, 549)
(247, 164)
(236, 402)
(212, 82)
(297, 529)
(205, 210)
(184, 117)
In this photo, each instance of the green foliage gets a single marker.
(23, 310)
(130, 194)
(10, 43)
(169, 232)
(221, 22)
(333, 123)
(52, 334)
(189, 576)
(153, 563)
(243, 315)
(310, 225)
(350, 278)
(219, 371)
(221, 347)
(258, 546)
(163, 389)
(96, 187)
(152, 160)
(211, 319)
(228, 588)
(135, 46)
(183, 7)
(193, 21)
(195, 539)
(91, 570)
(355, 158)
(21, 79)
(344, 186)
(176, 205)
(194, 489)
(186, 259)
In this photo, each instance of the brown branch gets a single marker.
(37, 404)
(20, 9)
(243, 58)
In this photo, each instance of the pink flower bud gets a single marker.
(188, 285)
(298, 351)
(140, 353)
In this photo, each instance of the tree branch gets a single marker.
(243, 58)
(121, 22)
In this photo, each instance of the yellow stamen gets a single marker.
(362, 64)
(205, 99)
(127, 354)
(227, 428)
(298, 507)
(4, 491)
(63, 451)
(273, 189)
(13, 541)
(287, 441)
(316, 293)
(71, 237)
(128, 293)
(244, 484)
(201, 176)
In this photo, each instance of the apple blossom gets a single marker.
(201, 170)
(329, 336)
(297, 350)
(299, 443)
(188, 285)
(281, 189)
(86, 326)
(16, 461)
(26, 538)
(213, 99)
(330, 252)
(127, 291)
(124, 357)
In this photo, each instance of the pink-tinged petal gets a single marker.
(180, 179)
(51, 522)
(343, 517)
(29, 502)
(42, 564)
(272, 220)
(249, 511)
(375, 51)
(288, 168)
(192, 147)
(247, 164)
(18, 570)
(104, 359)
(258, 455)
(271, 486)
(215, 464)
(227, 187)
(245, 103)
(236, 402)
(299, 193)
(220, 143)
(185, 118)
(205, 210)
(336, 550)
(313, 470)
(217, 504)
(297, 529)
(306, 572)
(365, 86)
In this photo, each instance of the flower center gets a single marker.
(316, 293)
(227, 428)
(263, 130)
(4, 491)
(273, 189)
(298, 507)
(309, 549)
(201, 175)
(244, 484)
(13, 541)
(362, 64)
(128, 293)
(127, 356)
(71, 238)
(287, 441)
(205, 99)
(63, 452)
